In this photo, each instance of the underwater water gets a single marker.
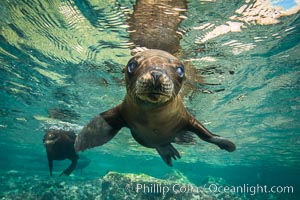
(61, 64)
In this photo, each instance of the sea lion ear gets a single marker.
(99, 130)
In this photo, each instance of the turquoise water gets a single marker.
(62, 61)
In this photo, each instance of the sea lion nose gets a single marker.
(156, 75)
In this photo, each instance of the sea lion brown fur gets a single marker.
(152, 109)
(59, 145)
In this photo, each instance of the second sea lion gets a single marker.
(59, 145)
(152, 109)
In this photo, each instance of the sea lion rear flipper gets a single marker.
(196, 127)
(99, 130)
(167, 153)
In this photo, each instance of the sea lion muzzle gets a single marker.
(154, 87)
(50, 139)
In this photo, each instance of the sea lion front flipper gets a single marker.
(100, 129)
(72, 166)
(167, 153)
(196, 127)
(50, 163)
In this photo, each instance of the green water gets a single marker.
(69, 55)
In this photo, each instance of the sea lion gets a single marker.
(152, 109)
(59, 145)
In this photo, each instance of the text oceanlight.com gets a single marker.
(250, 189)
(213, 188)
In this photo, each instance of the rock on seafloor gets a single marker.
(134, 186)
(16, 185)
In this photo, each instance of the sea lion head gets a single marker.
(51, 137)
(154, 77)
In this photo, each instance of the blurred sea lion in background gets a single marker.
(59, 145)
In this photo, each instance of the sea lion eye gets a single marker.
(180, 70)
(131, 66)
